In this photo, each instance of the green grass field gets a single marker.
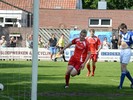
(16, 77)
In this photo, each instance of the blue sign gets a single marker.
(102, 35)
(110, 53)
(75, 33)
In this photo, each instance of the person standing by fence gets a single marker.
(40, 42)
(105, 44)
(52, 43)
(114, 42)
(3, 42)
(29, 41)
(13, 41)
(60, 45)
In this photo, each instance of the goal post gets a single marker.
(35, 49)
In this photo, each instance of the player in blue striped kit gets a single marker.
(125, 41)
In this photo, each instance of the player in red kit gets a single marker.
(95, 47)
(79, 58)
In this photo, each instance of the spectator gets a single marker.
(52, 43)
(105, 44)
(40, 42)
(19, 41)
(46, 45)
(29, 41)
(3, 42)
(60, 45)
(13, 41)
(114, 42)
(75, 28)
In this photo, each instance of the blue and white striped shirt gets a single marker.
(128, 37)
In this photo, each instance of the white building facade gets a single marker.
(13, 18)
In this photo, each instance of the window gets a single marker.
(94, 22)
(8, 25)
(11, 20)
(11, 25)
(100, 22)
(1, 19)
(105, 21)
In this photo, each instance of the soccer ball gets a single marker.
(1, 87)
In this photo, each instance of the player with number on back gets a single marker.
(79, 58)
(95, 47)
(125, 41)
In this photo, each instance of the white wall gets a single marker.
(16, 14)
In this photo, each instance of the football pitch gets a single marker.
(16, 77)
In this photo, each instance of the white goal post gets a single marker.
(35, 49)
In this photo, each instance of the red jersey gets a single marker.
(81, 49)
(94, 43)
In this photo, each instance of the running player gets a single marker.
(95, 47)
(79, 58)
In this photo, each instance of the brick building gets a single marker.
(58, 15)
(69, 18)
(69, 13)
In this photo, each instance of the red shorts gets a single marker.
(75, 63)
(94, 57)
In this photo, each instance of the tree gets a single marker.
(90, 4)
(120, 4)
(111, 4)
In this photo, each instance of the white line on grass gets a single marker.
(114, 80)
(7, 97)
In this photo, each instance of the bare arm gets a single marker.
(119, 37)
(49, 42)
(87, 58)
(57, 43)
(16, 40)
(100, 47)
(119, 40)
(67, 46)
(2, 42)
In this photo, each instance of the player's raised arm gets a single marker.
(67, 46)
(119, 39)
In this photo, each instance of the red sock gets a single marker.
(93, 69)
(67, 78)
(88, 67)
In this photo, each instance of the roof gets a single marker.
(24, 4)
(48, 4)
(57, 4)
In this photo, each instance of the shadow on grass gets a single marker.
(51, 77)
(83, 92)
(15, 64)
(51, 66)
